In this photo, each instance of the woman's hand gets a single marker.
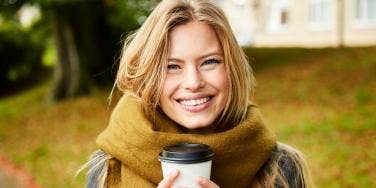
(206, 183)
(167, 182)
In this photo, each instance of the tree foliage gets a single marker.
(20, 52)
(87, 37)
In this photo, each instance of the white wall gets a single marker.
(261, 23)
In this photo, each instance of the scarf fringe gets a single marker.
(97, 169)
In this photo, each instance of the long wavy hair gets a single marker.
(143, 63)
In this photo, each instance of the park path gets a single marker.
(12, 176)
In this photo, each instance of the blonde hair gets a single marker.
(285, 168)
(143, 64)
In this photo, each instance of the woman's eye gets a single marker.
(173, 67)
(210, 62)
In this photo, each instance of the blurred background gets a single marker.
(314, 60)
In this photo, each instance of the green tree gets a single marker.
(19, 56)
(86, 35)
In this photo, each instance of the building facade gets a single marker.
(302, 23)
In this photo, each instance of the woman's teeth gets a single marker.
(194, 102)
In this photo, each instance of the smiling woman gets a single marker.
(186, 80)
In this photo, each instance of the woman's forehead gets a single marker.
(193, 38)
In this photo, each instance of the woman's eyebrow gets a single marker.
(174, 59)
(211, 54)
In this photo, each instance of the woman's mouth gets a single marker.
(195, 105)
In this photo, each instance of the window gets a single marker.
(319, 13)
(284, 17)
(279, 15)
(365, 11)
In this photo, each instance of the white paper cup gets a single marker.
(192, 161)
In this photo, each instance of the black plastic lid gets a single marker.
(186, 153)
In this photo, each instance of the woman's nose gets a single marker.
(192, 80)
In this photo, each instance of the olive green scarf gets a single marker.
(134, 141)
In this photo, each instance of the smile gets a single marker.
(194, 102)
(195, 105)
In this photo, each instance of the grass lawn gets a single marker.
(321, 101)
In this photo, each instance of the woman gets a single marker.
(185, 79)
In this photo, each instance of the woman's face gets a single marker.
(195, 91)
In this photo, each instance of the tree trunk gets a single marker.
(68, 75)
(82, 47)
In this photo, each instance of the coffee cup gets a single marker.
(192, 161)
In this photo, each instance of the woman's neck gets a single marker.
(203, 130)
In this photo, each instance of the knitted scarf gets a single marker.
(136, 142)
